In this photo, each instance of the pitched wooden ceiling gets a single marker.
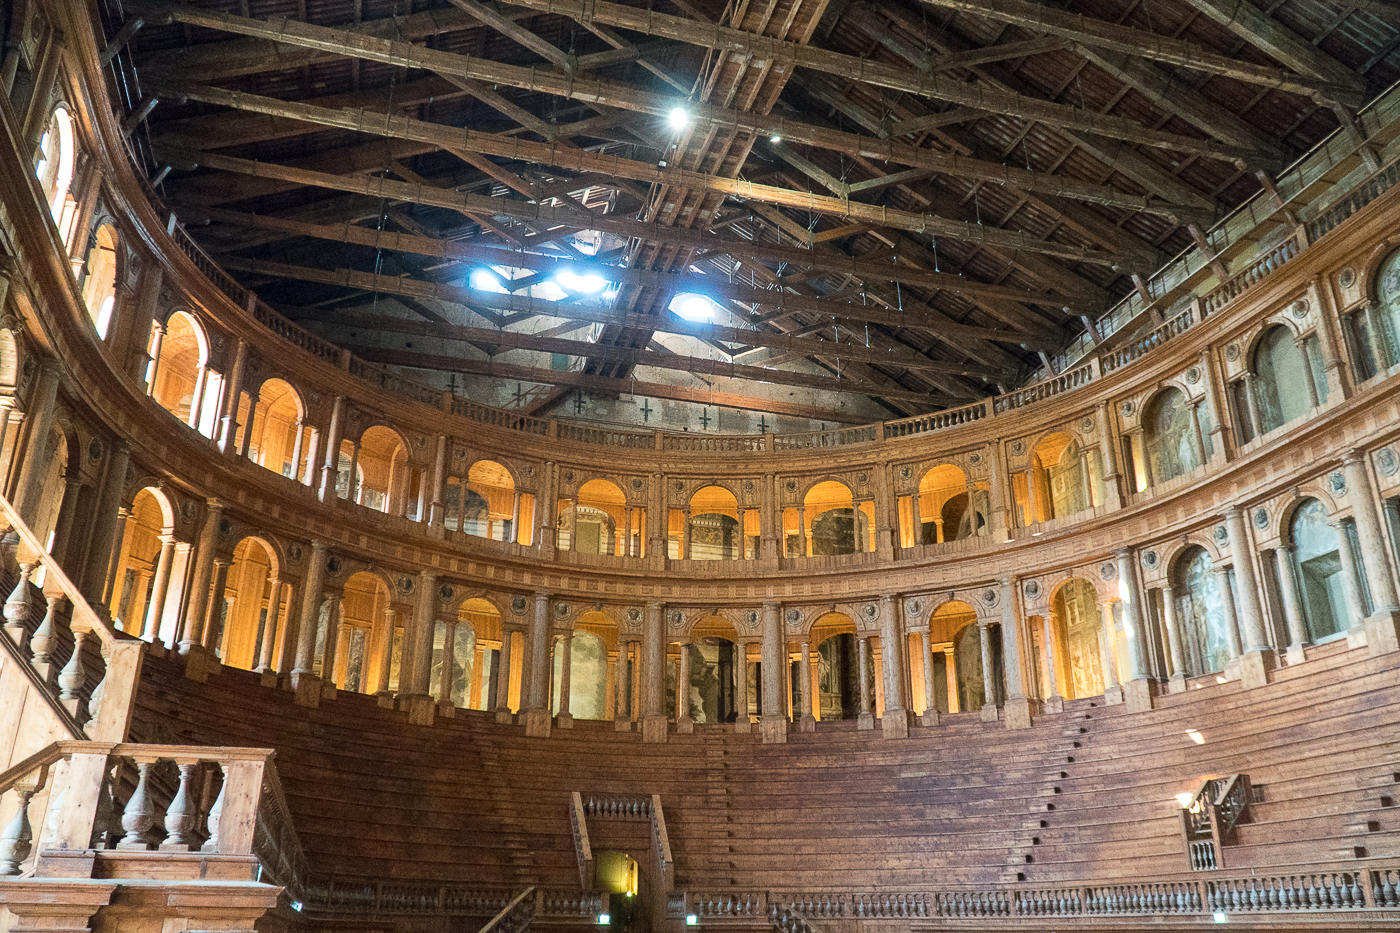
(906, 200)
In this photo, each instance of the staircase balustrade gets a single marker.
(67, 628)
(1208, 821)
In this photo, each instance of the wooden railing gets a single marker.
(662, 842)
(134, 797)
(583, 849)
(1208, 821)
(365, 899)
(59, 624)
(1368, 890)
(1256, 272)
(515, 917)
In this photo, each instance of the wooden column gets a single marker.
(774, 660)
(654, 673)
(1292, 604)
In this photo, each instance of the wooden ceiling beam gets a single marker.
(669, 283)
(629, 356)
(1272, 37)
(606, 385)
(1124, 159)
(761, 48)
(1040, 19)
(551, 216)
(924, 84)
(579, 160)
(365, 120)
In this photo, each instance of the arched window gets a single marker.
(947, 508)
(1058, 481)
(967, 654)
(1170, 436)
(591, 523)
(53, 166)
(714, 532)
(1387, 316)
(838, 670)
(134, 600)
(1281, 379)
(1318, 561)
(179, 377)
(828, 523)
(249, 588)
(383, 478)
(276, 435)
(1200, 613)
(100, 278)
(1076, 628)
(484, 620)
(487, 507)
(588, 669)
(461, 654)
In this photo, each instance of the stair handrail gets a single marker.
(515, 916)
(662, 840)
(583, 850)
(85, 618)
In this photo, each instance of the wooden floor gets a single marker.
(1086, 794)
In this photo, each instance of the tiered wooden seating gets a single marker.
(1086, 794)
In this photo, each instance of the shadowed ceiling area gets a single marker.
(803, 209)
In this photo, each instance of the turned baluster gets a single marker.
(216, 813)
(106, 827)
(100, 690)
(73, 676)
(17, 606)
(18, 835)
(41, 642)
(140, 813)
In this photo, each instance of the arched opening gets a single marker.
(475, 670)
(828, 523)
(141, 544)
(1076, 626)
(590, 524)
(1200, 612)
(383, 478)
(359, 635)
(53, 166)
(1388, 325)
(588, 667)
(714, 532)
(100, 278)
(248, 614)
(53, 485)
(712, 654)
(837, 675)
(179, 377)
(947, 508)
(957, 658)
(1171, 437)
(277, 435)
(486, 505)
(1318, 561)
(1281, 379)
(1058, 482)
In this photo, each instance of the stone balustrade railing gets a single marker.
(1367, 889)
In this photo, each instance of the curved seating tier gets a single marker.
(1088, 793)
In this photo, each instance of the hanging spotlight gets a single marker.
(679, 118)
(775, 138)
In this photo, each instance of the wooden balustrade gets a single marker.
(95, 683)
(177, 798)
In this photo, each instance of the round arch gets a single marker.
(1074, 638)
(1317, 562)
(957, 658)
(1171, 436)
(1282, 380)
(375, 472)
(594, 634)
(486, 505)
(943, 510)
(55, 162)
(829, 522)
(1057, 480)
(590, 522)
(714, 532)
(99, 284)
(134, 603)
(277, 432)
(835, 681)
(179, 365)
(243, 625)
(357, 647)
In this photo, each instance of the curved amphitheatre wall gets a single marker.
(1010, 573)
